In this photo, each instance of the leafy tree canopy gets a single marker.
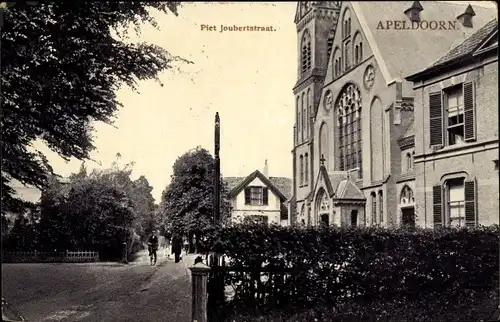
(187, 201)
(61, 66)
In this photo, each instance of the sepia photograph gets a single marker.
(239, 161)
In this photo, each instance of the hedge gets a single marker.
(417, 272)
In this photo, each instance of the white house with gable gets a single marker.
(259, 197)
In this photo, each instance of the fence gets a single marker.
(50, 257)
(254, 290)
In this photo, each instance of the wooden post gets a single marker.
(124, 253)
(199, 279)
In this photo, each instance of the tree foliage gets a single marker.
(358, 274)
(187, 201)
(61, 67)
(93, 211)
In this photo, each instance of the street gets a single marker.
(100, 291)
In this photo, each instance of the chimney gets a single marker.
(466, 17)
(265, 170)
(414, 11)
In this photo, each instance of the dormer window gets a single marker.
(414, 11)
(466, 17)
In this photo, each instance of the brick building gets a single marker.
(456, 140)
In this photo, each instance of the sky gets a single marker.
(245, 76)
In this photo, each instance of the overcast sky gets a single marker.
(246, 76)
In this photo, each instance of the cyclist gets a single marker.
(153, 247)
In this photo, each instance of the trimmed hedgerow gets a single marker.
(413, 274)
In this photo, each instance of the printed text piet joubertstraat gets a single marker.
(224, 28)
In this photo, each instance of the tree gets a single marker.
(139, 191)
(187, 201)
(86, 213)
(61, 67)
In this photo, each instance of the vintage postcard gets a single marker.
(250, 161)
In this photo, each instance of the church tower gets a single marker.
(316, 23)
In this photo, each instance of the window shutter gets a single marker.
(469, 112)
(437, 196)
(247, 196)
(265, 196)
(470, 203)
(436, 119)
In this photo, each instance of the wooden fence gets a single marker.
(50, 257)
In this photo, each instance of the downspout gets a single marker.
(423, 161)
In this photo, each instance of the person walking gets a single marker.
(153, 247)
(177, 247)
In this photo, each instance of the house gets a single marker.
(260, 197)
(354, 135)
(456, 133)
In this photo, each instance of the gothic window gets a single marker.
(346, 30)
(306, 59)
(409, 162)
(358, 48)
(381, 206)
(322, 206)
(303, 126)
(330, 47)
(348, 109)
(298, 118)
(406, 196)
(374, 208)
(308, 119)
(306, 168)
(324, 143)
(336, 63)
(347, 55)
(301, 170)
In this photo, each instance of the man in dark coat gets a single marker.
(177, 247)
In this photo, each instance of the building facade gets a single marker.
(259, 197)
(456, 140)
(354, 135)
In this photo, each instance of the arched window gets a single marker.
(330, 47)
(324, 144)
(309, 115)
(406, 196)
(298, 118)
(302, 133)
(336, 64)
(358, 48)
(374, 208)
(306, 169)
(346, 30)
(348, 108)
(322, 207)
(306, 59)
(301, 180)
(409, 165)
(381, 206)
(347, 55)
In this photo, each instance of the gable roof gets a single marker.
(338, 185)
(280, 186)
(470, 44)
(463, 50)
(348, 190)
(392, 47)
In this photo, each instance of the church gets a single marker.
(354, 134)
